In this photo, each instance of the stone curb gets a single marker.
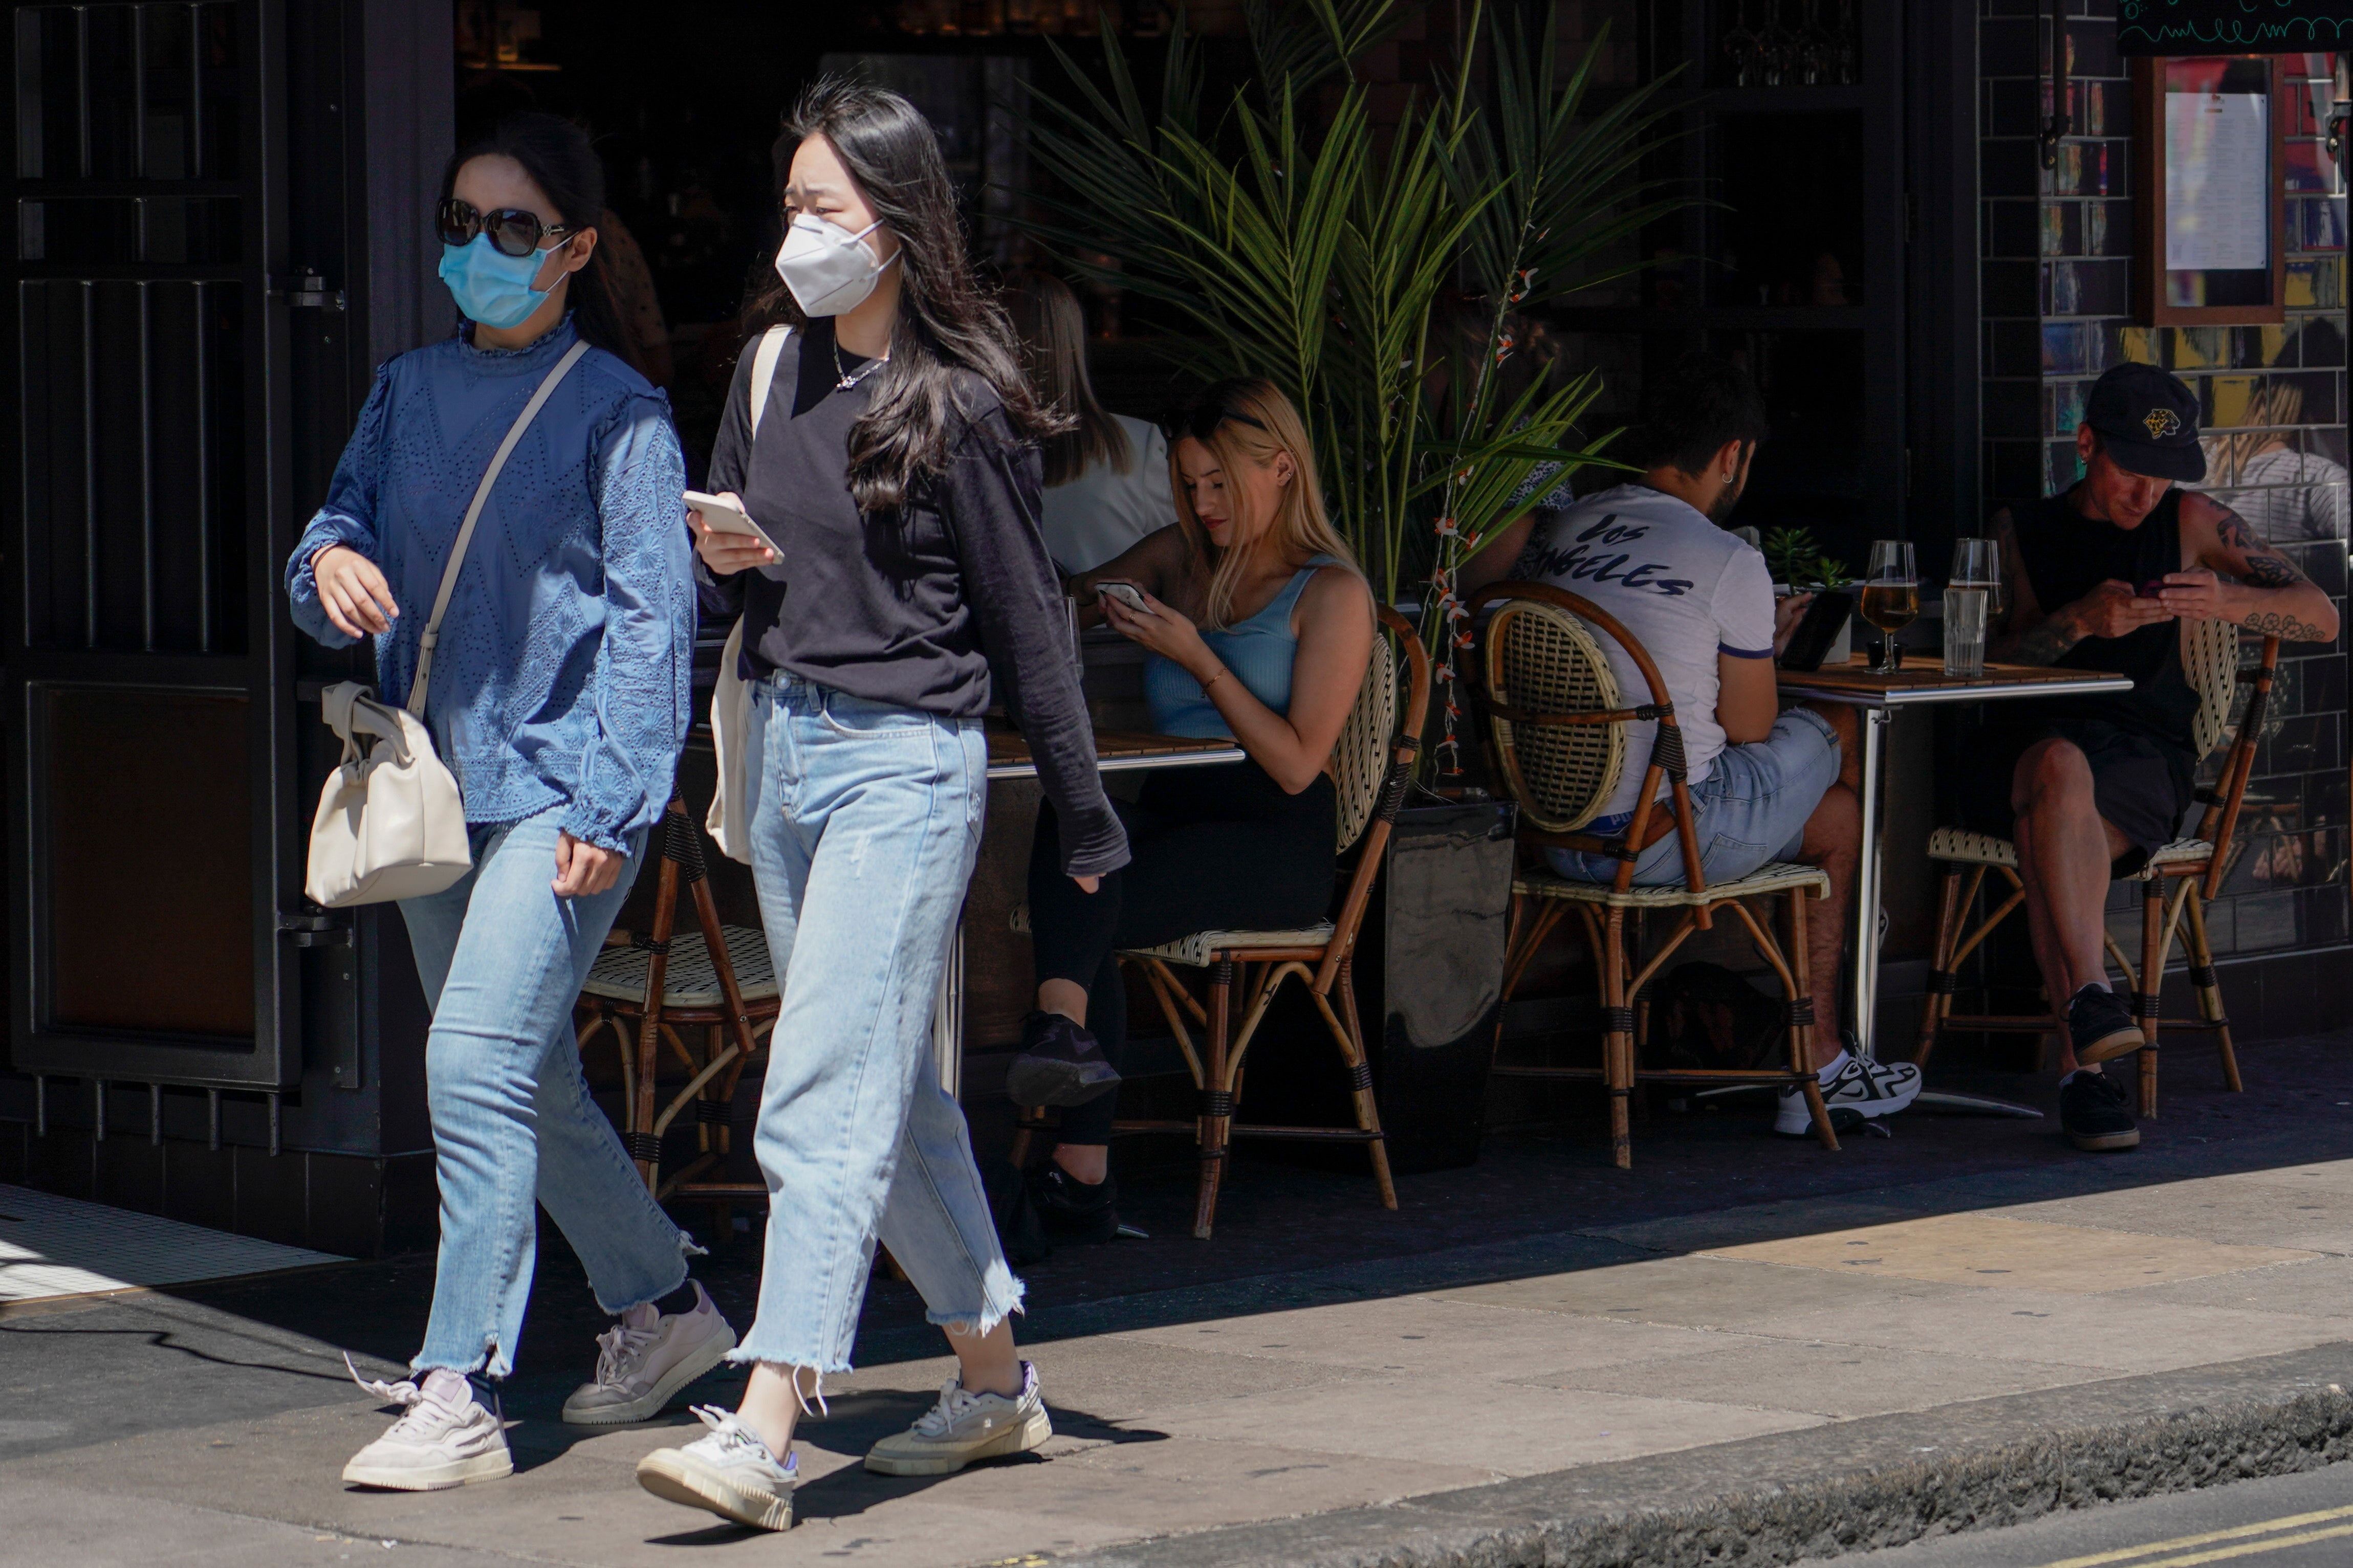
(1832, 1489)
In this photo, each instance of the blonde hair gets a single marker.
(2273, 403)
(1053, 337)
(1246, 420)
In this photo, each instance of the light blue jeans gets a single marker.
(865, 820)
(502, 959)
(1750, 809)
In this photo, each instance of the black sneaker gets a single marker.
(2092, 1112)
(1074, 1212)
(2101, 1026)
(1059, 1064)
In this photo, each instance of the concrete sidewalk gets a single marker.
(1797, 1328)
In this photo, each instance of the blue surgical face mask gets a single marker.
(493, 289)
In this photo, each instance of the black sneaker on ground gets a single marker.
(1073, 1211)
(2092, 1112)
(2101, 1026)
(1059, 1064)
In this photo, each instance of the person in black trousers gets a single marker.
(1259, 629)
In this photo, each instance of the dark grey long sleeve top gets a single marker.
(920, 609)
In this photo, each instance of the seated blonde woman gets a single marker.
(1260, 628)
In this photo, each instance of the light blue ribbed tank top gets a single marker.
(1258, 651)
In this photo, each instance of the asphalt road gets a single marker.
(2286, 1521)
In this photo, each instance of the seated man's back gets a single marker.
(1686, 589)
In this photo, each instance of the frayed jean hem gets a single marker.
(960, 1324)
(686, 1249)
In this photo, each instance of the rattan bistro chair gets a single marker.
(1371, 764)
(2210, 654)
(720, 978)
(1560, 749)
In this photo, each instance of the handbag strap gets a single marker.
(473, 514)
(764, 370)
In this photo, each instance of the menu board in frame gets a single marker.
(2210, 171)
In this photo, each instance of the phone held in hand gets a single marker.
(1818, 629)
(1126, 593)
(725, 517)
(2151, 589)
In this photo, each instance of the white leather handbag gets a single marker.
(731, 698)
(390, 823)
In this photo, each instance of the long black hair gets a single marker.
(948, 326)
(556, 153)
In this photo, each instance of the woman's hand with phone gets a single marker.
(727, 554)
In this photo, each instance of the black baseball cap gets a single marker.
(2147, 421)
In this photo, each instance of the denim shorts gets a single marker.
(1750, 810)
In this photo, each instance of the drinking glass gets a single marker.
(1977, 564)
(1891, 598)
(1965, 629)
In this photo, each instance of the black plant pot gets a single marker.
(1429, 977)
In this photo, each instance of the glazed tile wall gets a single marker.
(2057, 250)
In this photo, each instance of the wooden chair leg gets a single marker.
(2209, 991)
(1349, 1035)
(1801, 1042)
(2148, 992)
(1617, 1042)
(1939, 999)
(1217, 1099)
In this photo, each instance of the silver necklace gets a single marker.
(848, 380)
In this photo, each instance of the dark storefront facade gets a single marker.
(220, 214)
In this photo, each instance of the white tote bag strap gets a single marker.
(764, 370)
(473, 514)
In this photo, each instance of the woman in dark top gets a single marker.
(896, 468)
(1258, 628)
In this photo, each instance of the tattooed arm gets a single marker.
(2269, 595)
(2032, 635)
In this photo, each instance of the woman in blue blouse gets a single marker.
(559, 700)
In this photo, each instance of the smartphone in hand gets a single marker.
(1126, 593)
(725, 517)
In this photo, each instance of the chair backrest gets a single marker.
(1373, 761)
(1360, 761)
(1561, 722)
(1539, 658)
(2210, 659)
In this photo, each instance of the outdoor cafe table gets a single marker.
(1116, 751)
(1921, 680)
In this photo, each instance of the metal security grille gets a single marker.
(149, 691)
(131, 218)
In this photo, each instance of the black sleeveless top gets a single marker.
(2066, 555)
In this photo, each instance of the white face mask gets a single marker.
(829, 268)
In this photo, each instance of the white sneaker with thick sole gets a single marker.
(964, 1427)
(645, 1359)
(1862, 1091)
(442, 1440)
(727, 1470)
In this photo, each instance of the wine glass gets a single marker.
(1740, 43)
(1891, 598)
(1977, 564)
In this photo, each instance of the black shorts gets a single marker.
(2141, 783)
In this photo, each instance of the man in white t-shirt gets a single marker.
(1766, 783)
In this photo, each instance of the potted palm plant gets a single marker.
(1377, 274)
(1380, 276)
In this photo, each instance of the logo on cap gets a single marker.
(2161, 423)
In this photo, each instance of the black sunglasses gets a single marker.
(513, 231)
(1202, 422)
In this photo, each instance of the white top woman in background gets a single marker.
(1107, 480)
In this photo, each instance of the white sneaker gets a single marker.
(646, 1358)
(727, 1470)
(445, 1439)
(1862, 1091)
(965, 1426)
